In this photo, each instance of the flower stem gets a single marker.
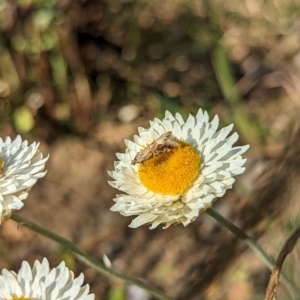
(253, 245)
(87, 260)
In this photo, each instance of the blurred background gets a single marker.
(81, 76)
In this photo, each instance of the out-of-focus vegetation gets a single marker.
(67, 66)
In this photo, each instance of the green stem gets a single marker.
(268, 261)
(87, 260)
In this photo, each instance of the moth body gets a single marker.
(165, 143)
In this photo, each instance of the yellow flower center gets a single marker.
(171, 173)
(1, 165)
(20, 298)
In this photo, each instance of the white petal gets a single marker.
(142, 219)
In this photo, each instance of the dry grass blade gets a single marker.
(287, 248)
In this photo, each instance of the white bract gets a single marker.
(181, 183)
(21, 166)
(43, 283)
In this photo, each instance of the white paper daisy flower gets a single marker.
(21, 165)
(43, 283)
(174, 170)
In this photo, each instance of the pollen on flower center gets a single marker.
(1, 165)
(20, 298)
(171, 173)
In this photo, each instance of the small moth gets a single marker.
(165, 143)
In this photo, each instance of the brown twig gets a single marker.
(286, 249)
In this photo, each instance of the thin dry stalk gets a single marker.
(286, 249)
